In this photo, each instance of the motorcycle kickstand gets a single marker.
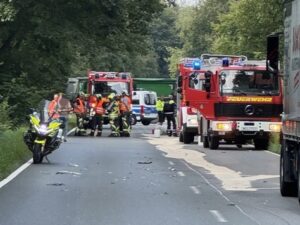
(46, 157)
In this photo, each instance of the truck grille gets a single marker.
(242, 110)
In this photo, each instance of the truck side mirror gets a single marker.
(207, 76)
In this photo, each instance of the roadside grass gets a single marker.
(274, 145)
(72, 121)
(13, 151)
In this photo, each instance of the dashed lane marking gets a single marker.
(218, 216)
(195, 190)
(181, 174)
(171, 163)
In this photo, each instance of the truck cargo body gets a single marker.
(290, 158)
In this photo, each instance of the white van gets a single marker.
(143, 107)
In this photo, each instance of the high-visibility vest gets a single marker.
(52, 109)
(159, 105)
(79, 108)
(125, 104)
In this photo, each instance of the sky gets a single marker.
(187, 2)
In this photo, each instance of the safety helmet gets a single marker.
(98, 95)
(111, 96)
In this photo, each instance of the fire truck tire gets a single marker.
(213, 143)
(145, 122)
(287, 188)
(261, 144)
(180, 137)
(205, 142)
(188, 138)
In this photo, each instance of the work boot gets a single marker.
(169, 133)
(174, 133)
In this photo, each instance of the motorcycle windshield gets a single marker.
(42, 111)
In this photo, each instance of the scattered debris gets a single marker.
(149, 162)
(231, 204)
(56, 184)
(68, 172)
(166, 193)
(73, 165)
(112, 182)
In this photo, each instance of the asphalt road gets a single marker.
(144, 180)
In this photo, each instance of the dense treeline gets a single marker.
(42, 43)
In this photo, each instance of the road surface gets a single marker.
(144, 180)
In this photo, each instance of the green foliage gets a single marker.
(13, 152)
(5, 122)
(44, 43)
(244, 28)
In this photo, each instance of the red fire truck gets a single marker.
(186, 115)
(104, 83)
(236, 102)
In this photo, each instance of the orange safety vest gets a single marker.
(52, 109)
(125, 105)
(79, 108)
(93, 101)
(99, 107)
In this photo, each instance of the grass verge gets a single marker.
(274, 145)
(13, 151)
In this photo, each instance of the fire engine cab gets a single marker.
(236, 102)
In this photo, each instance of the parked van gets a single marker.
(143, 107)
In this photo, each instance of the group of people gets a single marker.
(97, 107)
(166, 109)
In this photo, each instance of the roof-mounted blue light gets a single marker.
(225, 62)
(197, 64)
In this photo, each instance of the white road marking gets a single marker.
(218, 216)
(71, 131)
(171, 163)
(181, 174)
(273, 153)
(15, 173)
(195, 190)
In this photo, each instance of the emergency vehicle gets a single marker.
(187, 123)
(236, 102)
(104, 83)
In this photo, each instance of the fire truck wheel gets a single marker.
(145, 122)
(187, 137)
(180, 137)
(205, 142)
(287, 189)
(213, 143)
(261, 144)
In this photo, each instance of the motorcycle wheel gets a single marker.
(37, 154)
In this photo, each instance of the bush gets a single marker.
(5, 122)
(274, 145)
(13, 151)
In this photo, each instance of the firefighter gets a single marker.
(53, 108)
(160, 108)
(98, 117)
(169, 112)
(80, 111)
(125, 110)
(114, 113)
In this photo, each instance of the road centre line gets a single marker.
(220, 192)
(195, 190)
(171, 163)
(15, 173)
(218, 216)
(181, 174)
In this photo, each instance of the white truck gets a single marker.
(290, 141)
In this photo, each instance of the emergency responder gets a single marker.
(80, 111)
(114, 113)
(169, 113)
(64, 109)
(53, 107)
(125, 110)
(160, 108)
(98, 117)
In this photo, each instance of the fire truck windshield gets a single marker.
(105, 87)
(248, 82)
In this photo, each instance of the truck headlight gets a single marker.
(275, 127)
(224, 126)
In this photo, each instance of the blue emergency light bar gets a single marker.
(194, 63)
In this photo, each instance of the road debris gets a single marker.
(56, 184)
(68, 172)
(147, 162)
(73, 165)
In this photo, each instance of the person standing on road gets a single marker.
(125, 111)
(169, 113)
(53, 107)
(114, 113)
(64, 108)
(98, 117)
(80, 111)
(160, 108)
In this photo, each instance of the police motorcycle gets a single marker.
(44, 133)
